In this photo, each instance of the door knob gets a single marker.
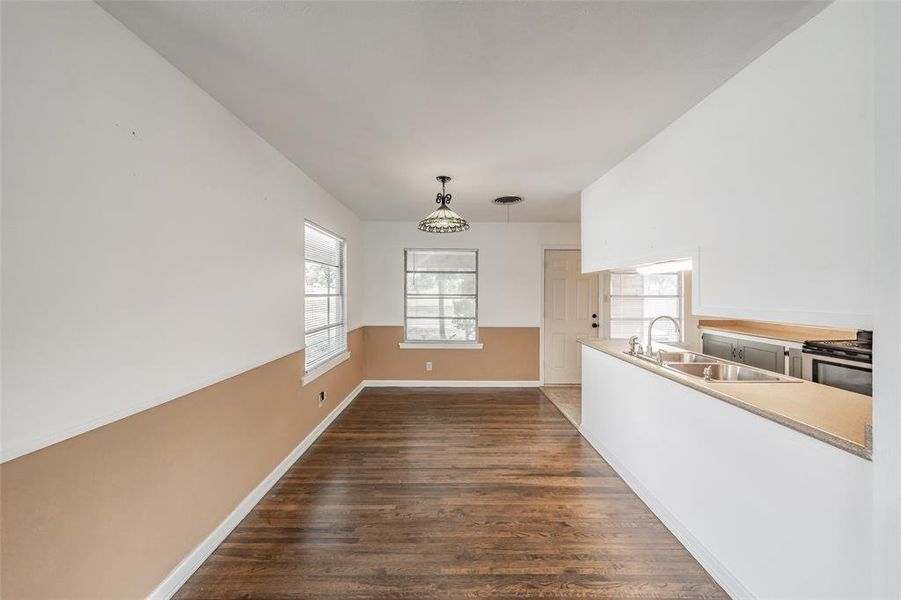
(594, 316)
(594, 324)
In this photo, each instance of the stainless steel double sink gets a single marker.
(712, 369)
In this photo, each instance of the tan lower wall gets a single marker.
(107, 514)
(509, 354)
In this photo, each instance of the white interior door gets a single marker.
(570, 311)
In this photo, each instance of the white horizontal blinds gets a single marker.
(635, 299)
(324, 319)
(441, 295)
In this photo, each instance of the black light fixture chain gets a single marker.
(443, 197)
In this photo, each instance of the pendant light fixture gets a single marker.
(443, 220)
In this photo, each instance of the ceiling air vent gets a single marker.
(507, 200)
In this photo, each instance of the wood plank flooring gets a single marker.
(455, 493)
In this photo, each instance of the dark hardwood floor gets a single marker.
(457, 493)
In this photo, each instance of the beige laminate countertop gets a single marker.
(778, 331)
(840, 418)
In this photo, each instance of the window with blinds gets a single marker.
(324, 306)
(441, 295)
(634, 299)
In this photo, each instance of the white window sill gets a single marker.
(440, 345)
(320, 370)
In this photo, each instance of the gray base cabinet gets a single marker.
(762, 355)
(794, 361)
(719, 346)
(755, 354)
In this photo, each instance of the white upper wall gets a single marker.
(769, 180)
(152, 243)
(510, 266)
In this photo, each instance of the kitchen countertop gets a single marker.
(778, 331)
(837, 417)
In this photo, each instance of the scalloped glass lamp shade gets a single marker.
(443, 220)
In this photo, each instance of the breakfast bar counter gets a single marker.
(749, 474)
(834, 416)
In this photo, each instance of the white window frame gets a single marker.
(442, 344)
(608, 327)
(325, 363)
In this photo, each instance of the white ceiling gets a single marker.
(538, 99)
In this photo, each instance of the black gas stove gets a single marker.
(860, 349)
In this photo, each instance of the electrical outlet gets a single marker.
(428, 366)
(322, 397)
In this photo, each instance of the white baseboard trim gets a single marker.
(180, 574)
(447, 383)
(723, 576)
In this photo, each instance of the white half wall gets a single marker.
(887, 329)
(768, 181)
(510, 267)
(770, 512)
(152, 243)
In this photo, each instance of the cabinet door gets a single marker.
(762, 355)
(794, 361)
(718, 346)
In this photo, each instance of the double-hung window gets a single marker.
(441, 295)
(634, 299)
(325, 323)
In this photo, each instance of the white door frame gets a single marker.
(541, 303)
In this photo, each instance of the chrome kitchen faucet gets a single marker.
(649, 351)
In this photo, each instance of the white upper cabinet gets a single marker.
(768, 183)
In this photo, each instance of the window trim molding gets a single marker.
(475, 344)
(440, 345)
(316, 367)
(324, 366)
(606, 296)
